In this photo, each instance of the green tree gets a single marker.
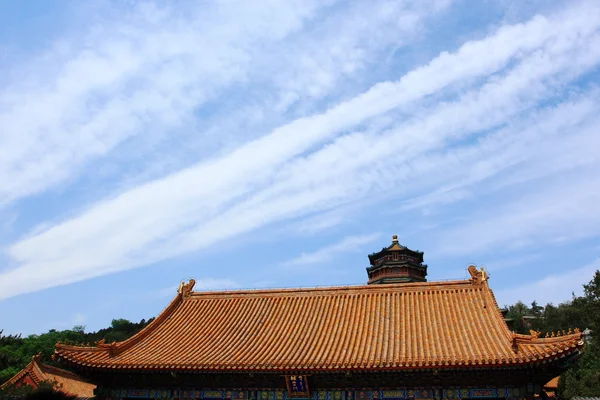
(23, 390)
(16, 351)
(584, 378)
(516, 312)
(592, 301)
(536, 310)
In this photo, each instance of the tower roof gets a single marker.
(372, 327)
(395, 246)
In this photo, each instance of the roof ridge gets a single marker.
(115, 348)
(534, 339)
(124, 345)
(388, 287)
(508, 333)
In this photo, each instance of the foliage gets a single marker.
(24, 390)
(16, 351)
(583, 378)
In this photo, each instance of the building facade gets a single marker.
(398, 337)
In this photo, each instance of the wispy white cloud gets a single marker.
(554, 288)
(148, 71)
(339, 156)
(564, 161)
(534, 219)
(320, 222)
(348, 244)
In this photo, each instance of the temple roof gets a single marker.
(373, 327)
(70, 383)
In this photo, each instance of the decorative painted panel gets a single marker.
(387, 394)
(507, 393)
(393, 394)
(144, 394)
(213, 394)
(297, 386)
(483, 393)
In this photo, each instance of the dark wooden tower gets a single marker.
(396, 264)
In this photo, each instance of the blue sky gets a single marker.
(277, 143)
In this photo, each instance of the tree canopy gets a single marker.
(583, 312)
(16, 351)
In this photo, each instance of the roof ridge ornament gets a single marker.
(534, 334)
(478, 277)
(185, 289)
(112, 349)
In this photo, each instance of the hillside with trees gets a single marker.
(583, 312)
(16, 351)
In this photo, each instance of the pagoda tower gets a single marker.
(396, 264)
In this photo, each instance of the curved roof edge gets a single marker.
(115, 348)
(528, 348)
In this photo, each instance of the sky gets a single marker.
(278, 143)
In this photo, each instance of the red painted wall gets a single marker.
(26, 380)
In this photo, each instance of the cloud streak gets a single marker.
(409, 129)
(349, 243)
(148, 73)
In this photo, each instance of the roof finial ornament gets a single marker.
(477, 276)
(37, 357)
(185, 289)
(394, 238)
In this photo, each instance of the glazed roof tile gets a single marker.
(395, 326)
(69, 382)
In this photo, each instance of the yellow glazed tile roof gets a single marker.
(373, 327)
